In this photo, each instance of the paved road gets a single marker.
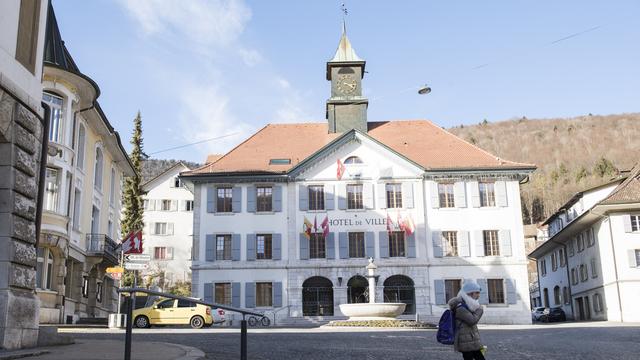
(505, 343)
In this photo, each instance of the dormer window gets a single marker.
(280, 162)
(351, 160)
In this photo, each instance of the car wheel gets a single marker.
(142, 322)
(197, 322)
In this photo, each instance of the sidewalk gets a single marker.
(107, 350)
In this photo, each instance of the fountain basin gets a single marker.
(375, 311)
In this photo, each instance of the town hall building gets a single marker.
(285, 221)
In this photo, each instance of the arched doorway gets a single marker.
(399, 289)
(357, 290)
(317, 297)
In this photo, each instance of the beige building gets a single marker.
(83, 188)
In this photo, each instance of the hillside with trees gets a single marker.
(571, 154)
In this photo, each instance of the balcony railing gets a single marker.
(102, 245)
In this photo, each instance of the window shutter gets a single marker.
(329, 201)
(304, 247)
(512, 296)
(277, 294)
(435, 196)
(174, 205)
(369, 244)
(407, 195)
(343, 245)
(277, 198)
(383, 238)
(208, 292)
(276, 251)
(251, 247)
(303, 198)
(367, 196)
(381, 196)
(475, 194)
(459, 194)
(251, 199)
(331, 246)
(151, 204)
(627, 223)
(152, 228)
(504, 237)
(342, 197)
(170, 253)
(632, 258)
(236, 204)
(249, 295)
(411, 245)
(210, 248)
(484, 292)
(158, 204)
(501, 193)
(438, 285)
(169, 228)
(479, 239)
(436, 239)
(463, 244)
(211, 200)
(235, 294)
(235, 247)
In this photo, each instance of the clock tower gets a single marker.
(346, 108)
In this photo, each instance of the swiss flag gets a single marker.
(133, 243)
(341, 170)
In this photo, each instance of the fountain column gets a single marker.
(371, 275)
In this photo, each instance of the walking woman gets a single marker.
(468, 312)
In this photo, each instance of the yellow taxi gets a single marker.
(177, 312)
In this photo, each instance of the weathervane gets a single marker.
(344, 9)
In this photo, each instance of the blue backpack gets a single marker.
(447, 327)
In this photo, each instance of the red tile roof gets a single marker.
(627, 192)
(421, 141)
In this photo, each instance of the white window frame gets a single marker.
(635, 223)
(81, 148)
(52, 190)
(504, 292)
(56, 105)
(487, 191)
(98, 169)
(449, 243)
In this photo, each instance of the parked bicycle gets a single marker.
(254, 320)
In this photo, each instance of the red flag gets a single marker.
(325, 226)
(389, 223)
(315, 224)
(341, 170)
(400, 222)
(306, 228)
(409, 226)
(133, 243)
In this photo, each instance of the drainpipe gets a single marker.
(43, 169)
(615, 267)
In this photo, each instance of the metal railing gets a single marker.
(132, 291)
(101, 244)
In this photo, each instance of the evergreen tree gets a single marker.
(132, 190)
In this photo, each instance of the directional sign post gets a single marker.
(136, 266)
(137, 258)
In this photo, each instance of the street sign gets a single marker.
(115, 270)
(137, 257)
(116, 276)
(136, 266)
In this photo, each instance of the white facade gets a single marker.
(422, 264)
(601, 257)
(168, 231)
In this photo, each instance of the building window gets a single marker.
(163, 253)
(584, 275)
(580, 241)
(565, 295)
(223, 247)
(225, 199)
(452, 288)
(81, 143)
(554, 261)
(263, 247)
(635, 223)
(571, 248)
(97, 174)
(597, 302)
(543, 267)
(556, 295)
(637, 258)
(160, 229)
(52, 189)
(356, 244)
(85, 287)
(165, 205)
(574, 276)
(223, 293)
(317, 246)
(450, 243)
(44, 269)
(264, 294)
(27, 41)
(491, 246)
(354, 197)
(188, 205)
(562, 256)
(110, 228)
(396, 244)
(594, 268)
(496, 291)
(316, 197)
(445, 193)
(591, 237)
(112, 187)
(353, 160)
(99, 292)
(487, 194)
(264, 195)
(55, 116)
(77, 206)
(394, 195)
(176, 182)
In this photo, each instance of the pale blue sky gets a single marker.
(202, 69)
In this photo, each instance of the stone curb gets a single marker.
(20, 354)
(191, 353)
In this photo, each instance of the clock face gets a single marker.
(347, 84)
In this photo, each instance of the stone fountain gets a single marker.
(372, 310)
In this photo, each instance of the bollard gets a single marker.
(243, 339)
(127, 337)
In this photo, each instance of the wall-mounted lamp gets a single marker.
(339, 280)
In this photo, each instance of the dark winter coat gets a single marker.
(467, 335)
